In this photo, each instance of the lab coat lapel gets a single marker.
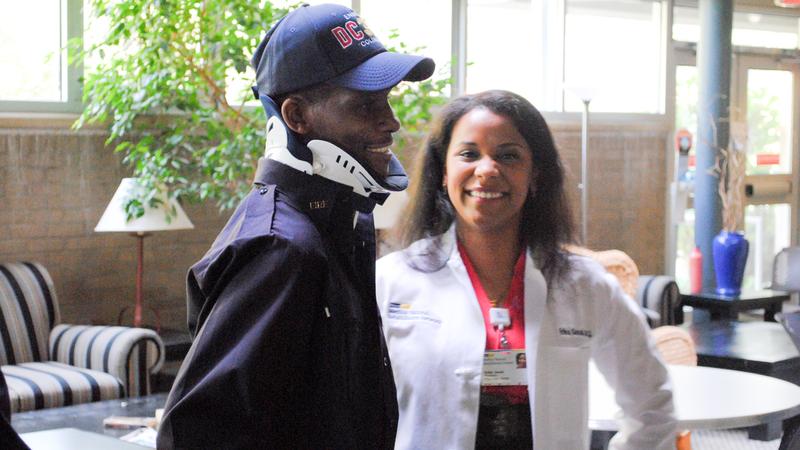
(449, 248)
(456, 265)
(535, 300)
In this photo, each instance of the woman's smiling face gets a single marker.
(488, 172)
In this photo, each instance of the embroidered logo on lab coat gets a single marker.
(405, 311)
(564, 331)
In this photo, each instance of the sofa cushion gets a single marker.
(130, 354)
(37, 385)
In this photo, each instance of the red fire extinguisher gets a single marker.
(696, 271)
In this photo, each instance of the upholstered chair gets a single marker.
(49, 364)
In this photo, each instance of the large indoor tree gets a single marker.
(171, 81)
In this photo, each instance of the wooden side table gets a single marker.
(722, 307)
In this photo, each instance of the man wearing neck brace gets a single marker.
(288, 350)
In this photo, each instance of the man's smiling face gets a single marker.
(359, 122)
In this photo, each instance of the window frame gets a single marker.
(554, 95)
(72, 22)
(71, 27)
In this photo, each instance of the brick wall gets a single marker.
(627, 187)
(55, 184)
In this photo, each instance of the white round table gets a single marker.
(707, 398)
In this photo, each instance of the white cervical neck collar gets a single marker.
(330, 161)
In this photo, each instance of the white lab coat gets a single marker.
(436, 340)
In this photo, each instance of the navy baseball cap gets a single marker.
(330, 43)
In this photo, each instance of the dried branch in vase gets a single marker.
(731, 188)
(730, 169)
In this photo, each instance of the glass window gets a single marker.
(96, 28)
(545, 50)
(601, 53)
(685, 117)
(30, 51)
(685, 24)
(425, 33)
(504, 47)
(767, 227)
(769, 121)
(749, 29)
(686, 88)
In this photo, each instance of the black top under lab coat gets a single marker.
(288, 351)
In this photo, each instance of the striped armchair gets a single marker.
(47, 364)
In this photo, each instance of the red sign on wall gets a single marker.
(788, 3)
(768, 159)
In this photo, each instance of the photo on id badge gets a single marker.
(504, 368)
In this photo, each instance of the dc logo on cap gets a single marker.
(352, 31)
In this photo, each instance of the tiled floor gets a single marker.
(729, 440)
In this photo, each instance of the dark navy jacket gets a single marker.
(288, 349)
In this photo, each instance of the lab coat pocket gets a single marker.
(561, 397)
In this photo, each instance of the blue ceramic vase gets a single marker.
(730, 256)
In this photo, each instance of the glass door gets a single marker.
(682, 226)
(767, 105)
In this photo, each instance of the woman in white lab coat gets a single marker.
(485, 278)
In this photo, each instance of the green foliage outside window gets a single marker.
(163, 87)
(765, 128)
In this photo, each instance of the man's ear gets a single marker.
(295, 112)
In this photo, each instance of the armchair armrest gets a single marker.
(130, 354)
(660, 300)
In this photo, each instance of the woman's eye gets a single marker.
(509, 157)
(468, 154)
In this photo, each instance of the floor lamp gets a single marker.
(156, 218)
(585, 94)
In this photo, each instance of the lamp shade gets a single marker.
(386, 215)
(156, 218)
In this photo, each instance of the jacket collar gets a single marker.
(327, 203)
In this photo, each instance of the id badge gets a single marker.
(499, 317)
(504, 368)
